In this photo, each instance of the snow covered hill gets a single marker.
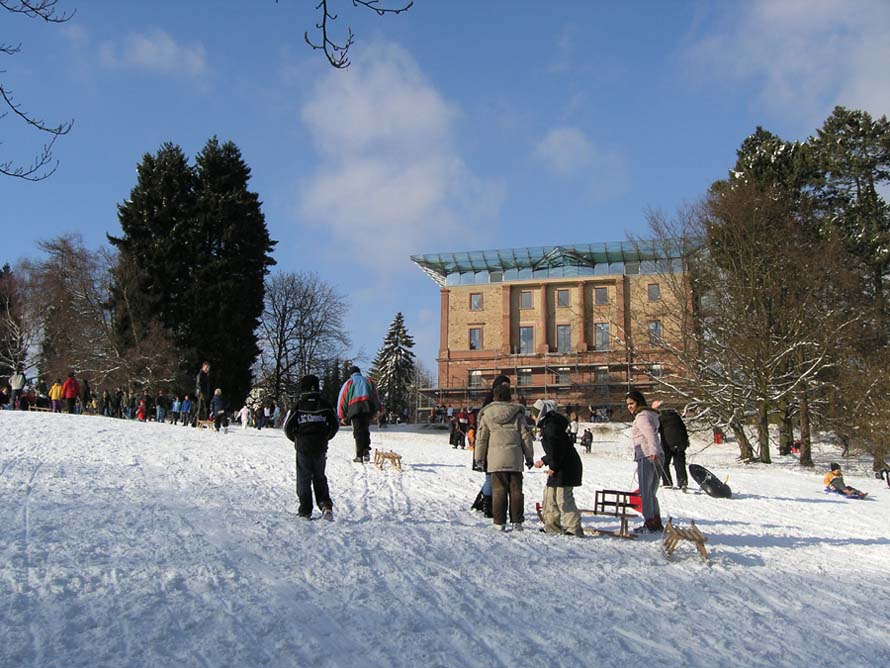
(126, 544)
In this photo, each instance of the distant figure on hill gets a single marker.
(202, 392)
(587, 440)
(17, 383)
(218, 408)
(70, 392)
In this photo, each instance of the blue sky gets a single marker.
(461, 125)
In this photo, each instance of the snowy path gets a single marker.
(129, 545)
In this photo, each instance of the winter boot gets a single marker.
(486, 507)
(477, 504)
(327, 514)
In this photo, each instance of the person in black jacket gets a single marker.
(560, 513)
(219, 411)
(674, 441)
(310, 425)
(202, 392)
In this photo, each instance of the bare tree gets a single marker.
(19, 323)
(301, 330)
(42, 165)
(72, 284)
(338, 54)
(765, 310)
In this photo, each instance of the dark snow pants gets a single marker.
(679, 458)
(648, 479)
(311, 475)
(506, 486)
(361, 432)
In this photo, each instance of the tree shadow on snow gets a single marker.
(786, 498)
(751, 540)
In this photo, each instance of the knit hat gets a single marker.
(309, 383)
(354, 369)
(834, 466)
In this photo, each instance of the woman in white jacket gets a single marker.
(649, 457)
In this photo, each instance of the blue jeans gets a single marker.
(648, 476)
(486, 486)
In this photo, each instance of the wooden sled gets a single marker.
(673, 535)
(609, 503)
(382, 456)
(204, 424)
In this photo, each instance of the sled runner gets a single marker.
(854, 494)
(711, 485)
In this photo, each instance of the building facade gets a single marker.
(579, 324)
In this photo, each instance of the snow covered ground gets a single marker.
(126, 544)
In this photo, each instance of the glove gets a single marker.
(529, 464)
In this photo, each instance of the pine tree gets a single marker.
(393, 368)
(232, 255)
(193, 256)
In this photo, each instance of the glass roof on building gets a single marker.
(439, 266)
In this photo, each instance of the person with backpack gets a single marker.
(311, 424)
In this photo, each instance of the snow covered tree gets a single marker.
(393, 368)
(17, 324)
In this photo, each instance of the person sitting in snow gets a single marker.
(834, 483)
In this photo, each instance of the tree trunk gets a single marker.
(763, 431)
(878, 460)
(806, 444)
(786, 433)
(746, 452)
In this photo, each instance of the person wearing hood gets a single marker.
(560, 513)
(503, 443)
(310, 425)
(483, 499)
(649, 457)
(357, 403)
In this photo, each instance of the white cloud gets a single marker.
(390, 182)
(155, 51)
(565, 150)
(804, 56)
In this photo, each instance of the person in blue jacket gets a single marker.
(357, 404)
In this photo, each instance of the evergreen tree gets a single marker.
(193, 256)
(853, 154)
(155, 250)
(393, 368)
(231, 257)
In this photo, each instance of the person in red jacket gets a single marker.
(70, 392)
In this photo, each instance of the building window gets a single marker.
(601, 296)
(563, 376)
(475, 338)
(562, 298)
(601, 380)
(526, 340)
(524, 377)
(475, 301)
(563, 338)
(601, 336)
(525, 299)
(654, 292)
(475, 379)
(495, 276)
(655, 332)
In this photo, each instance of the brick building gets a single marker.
(579, 324)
